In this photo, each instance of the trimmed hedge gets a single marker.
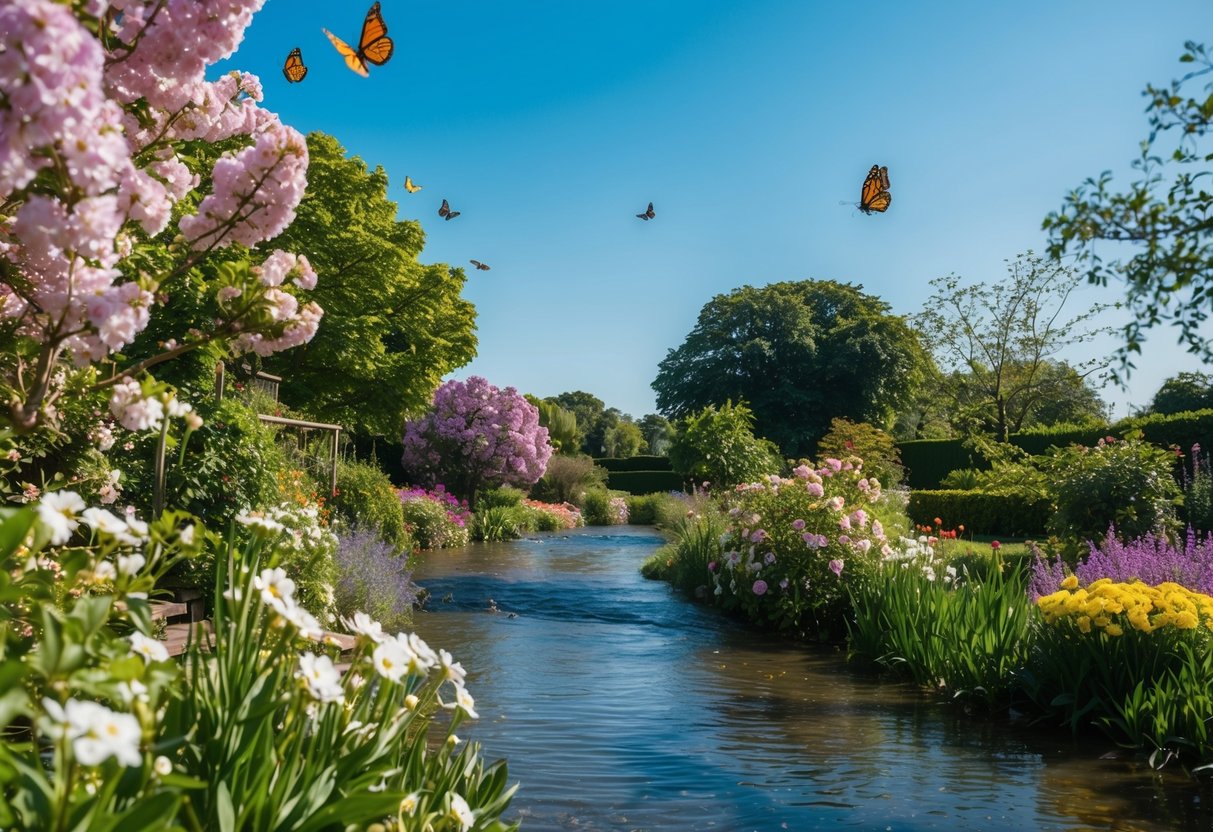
(634, 463)
(644, 482)
(980, 513)
(928, 461)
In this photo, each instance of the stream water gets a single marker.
(621, 705)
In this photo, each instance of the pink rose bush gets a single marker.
(97, 109)
(794, 544)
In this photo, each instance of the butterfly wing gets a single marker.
(445, 210)
(352, 59)
(293, 68)
(450, 215)
(410, 187)
(874, 196)
(374, 45)
(648, 214)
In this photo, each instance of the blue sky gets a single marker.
(550, 124)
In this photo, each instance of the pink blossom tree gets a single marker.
(476, 436)
(103, 108)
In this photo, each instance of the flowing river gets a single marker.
(621, 705)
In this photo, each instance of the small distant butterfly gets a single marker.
(293, 69)
(410, 187)
(374, 46)
(446, 213)
(484, 267)
(648, 214)
(875, 194)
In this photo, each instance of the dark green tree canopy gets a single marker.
(1156, 235)
(1186, 391)
(392, 327)
(588, 409)
(799, 353)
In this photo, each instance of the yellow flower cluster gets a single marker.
(1109, 606)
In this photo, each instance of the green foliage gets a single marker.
(645, 482)
(718, 445)
(635, 463)
(563, 433)
(646, 509)
(499, 522)
(871, 444)
(684, 562)
(1000, 341)
(566, 476)
(505, 496)
(658, 433)
(587, 409)
(433, 525)
(1123, 483)
(928, 461)
(366, 498)
(1198, 492)
(800, 353)
(392, 326)
(1159, 232)
(944, 630)
(1183, 392)
(986, 514)
(600, 507)
(624, 439)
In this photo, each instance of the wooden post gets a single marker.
(333, 476)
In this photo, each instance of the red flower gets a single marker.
(995, 545)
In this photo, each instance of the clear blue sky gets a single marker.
(550, 124)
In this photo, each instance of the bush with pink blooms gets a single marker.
(439, 519)
(795, 544)
(476, 436)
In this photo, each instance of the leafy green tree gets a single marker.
(587, 408)
(1065, 395)
(658, 433)
(1186, 391)
(999, 342)
(718, 445)
(872, 445)
(392, 327)
(596, 438)
(561, 424)
(1157, 234)
(625, 439)
(800, 353)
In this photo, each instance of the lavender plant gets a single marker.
(373, 578)
(1151, 559)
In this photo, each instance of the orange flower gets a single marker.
(938, 522)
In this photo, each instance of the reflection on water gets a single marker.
(621, 706)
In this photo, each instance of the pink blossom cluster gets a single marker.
(282, 266)
(294, 324)
(477, 435)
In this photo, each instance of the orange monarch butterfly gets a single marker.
(446, 213)
(293, 69)
(875, 195)
(374, 46)
(648, 214)
(410, 187)
(484, 267)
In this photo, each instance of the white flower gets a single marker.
(193, 421)
(163, 766)
(423, 657)
(136, 531)
(321, 678)
(130, 564)
(186, 535)
(363, 625)
(103, 521)
(411, 702)
(306, 623)
(96, 732)
(150, 649)
(463, 701)
(259, 523)
(132, 691)
(277, 590)
(408, 806)
(104, 571)
(392, 659)
(57, 511)
(460, 812)
(452, 671)
(175, 407)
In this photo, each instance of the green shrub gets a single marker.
(436, 521)
(645, 482)
(962, 479)
(504, 496)
(600, 507)
(493, 523)
(944, 629)
(718, 445)
(567, 476)
(634, 463)
(875, 447)
(928, 461)
(685, 561)
(979, 513)
(645, 510)
(365, 498)
(1198, 492)
(1127, 484)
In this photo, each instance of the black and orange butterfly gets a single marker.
(484, 267)
(293, 69)
(410, 187)
(648, 214)
(373, 47)
(875, 195)
(446, 213)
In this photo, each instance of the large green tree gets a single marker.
(799, 354)
(588, 409)
(1157, 233)
(1185, 391)
(997, 344)
(393, 327)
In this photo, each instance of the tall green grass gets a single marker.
(684, 561)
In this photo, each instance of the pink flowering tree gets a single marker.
(105, 116)
(476, 436)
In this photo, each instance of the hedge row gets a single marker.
(644, 482)
(928, 461)
(635, 463)
(987, 514)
